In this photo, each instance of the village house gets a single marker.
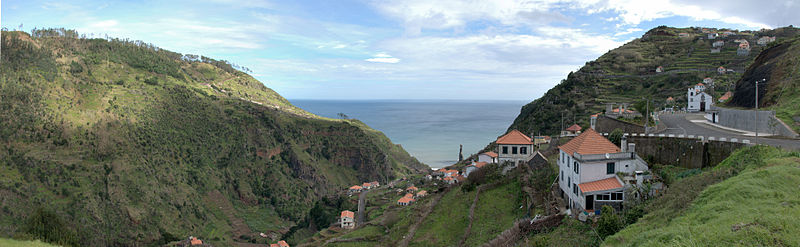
(537, 161)
(725, 96)
(538, 140)
(282, 244)
(727, 33)
(488, 157)
(366, 186)
(514, 147)
(422, 193)
(712, 35)
(472, 167)
(412, 189)
(193, 241)
(744, 49)
(670, 100)
(573, 130)
(708, 81)
(718, 43)
(354, 189)
(721, 70)
(348, 219)
(590, 167)
(406, 200)
(764, 40)
(698, 99)
(374, 184)
(659, 69)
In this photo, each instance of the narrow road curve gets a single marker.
(362, 204)
(680, 124)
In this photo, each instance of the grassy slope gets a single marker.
(127, 140)
(760, 197)
(625, 74)
(19, 243)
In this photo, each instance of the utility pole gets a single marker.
(756, 112)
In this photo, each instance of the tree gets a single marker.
(609, 222)
(616, 136)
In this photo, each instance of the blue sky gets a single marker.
(391, 49)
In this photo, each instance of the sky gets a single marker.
(392, 49)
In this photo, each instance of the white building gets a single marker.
(718, 43)
(488, 157)
(590, 167)
(698, 99)
(708, 81)
(347, 219)
(764, 40)
(514, 147)
(712, 35)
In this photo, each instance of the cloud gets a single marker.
(104, 24)
(383, 58)
(628, 31)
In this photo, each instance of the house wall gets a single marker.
(745, 120)
(607, 125)
(514, 158)
(485, 158)
(683, 152)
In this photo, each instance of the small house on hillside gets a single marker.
(472, 167)
(282, 244)
(347, 219)
(764, 40)
(366, 186)
(537, 161)
(412, 189)
(698, 99)
(374, 184)
(594, 172)
(708, 81)
(488, 157)
(659, 69)
(422, 193)
(670, 100)
(721, 70)
(193, 241)
(744, 49)
(406, 200)
(538, 140)
(573, 130)
(514, 147)
(725, 96)
(355, 189)
(712, 35)
(718, 43)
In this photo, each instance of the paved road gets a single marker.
(362, 204)
(680, 124)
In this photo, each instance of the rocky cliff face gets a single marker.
(139, 145)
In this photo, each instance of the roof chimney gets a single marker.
(624, 143)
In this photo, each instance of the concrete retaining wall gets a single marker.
(746, 120)
(684, 152)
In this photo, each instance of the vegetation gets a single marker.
(627, 75)
(20, 243)
(124, 139)
(751, 208)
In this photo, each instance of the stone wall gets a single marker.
(746, 120)
(683, 152)
(607, 125)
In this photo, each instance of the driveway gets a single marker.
(681, 124)
(362, 204)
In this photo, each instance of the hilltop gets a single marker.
(130, 143)
(628, 75)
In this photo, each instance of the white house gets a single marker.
(708, 81)
(698, 99)
(488, 157)
(514, 147)
(712, 35)
(659, 69)
(347, 219)
(764, 40)
(721, 70)
(590, 167)
(472, 167)
(718, 43)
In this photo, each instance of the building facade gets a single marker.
(697, 99)
(514, 147)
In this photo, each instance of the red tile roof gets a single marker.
(701, 84)
(355, 187)
(283, 244)
(479, 164)
(600, 185)
(491, 154)
(422, 193)
(670, 99)
(366, 185)
(726, 96)
(589, 142)
(348, 214)
(414, 188)
(273, 245)
(515, 137)
(405, 200)
(195, 241)
(574, 127)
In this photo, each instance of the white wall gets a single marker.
(485, 158)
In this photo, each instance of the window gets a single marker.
(691, 99)
(513, 150)
(610, 168)
(574, 189)
(505, 150)
(576, 168)
(523, 150)
(691, 93)
(616, 196)
(562, 175)
(569, 182)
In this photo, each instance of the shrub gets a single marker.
(609, 223)
(151, 81)
(616, 136)
(49, 227)
(75, 68)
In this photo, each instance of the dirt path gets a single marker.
(413, 228)
(471, 216)
(362, 204)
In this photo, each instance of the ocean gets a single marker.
(430, 130)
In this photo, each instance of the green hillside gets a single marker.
(780, 66)
(627, 75)
(125, 143)
(756, 206)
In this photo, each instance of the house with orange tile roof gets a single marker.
(721, 70)
(273, 245)
(283, 244)
(572, 130)
(538, 140)
(193, 241)
(472, 167)
(708, 81)
(488, 157)
(422, 193)
(659, 69)
(354, 189)
(406, 200)
(366, 186)
(698, 99)
(725, 96)
(590, 167)
(412, 189)
(375, 184)
(514, 147)
(347, 219)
